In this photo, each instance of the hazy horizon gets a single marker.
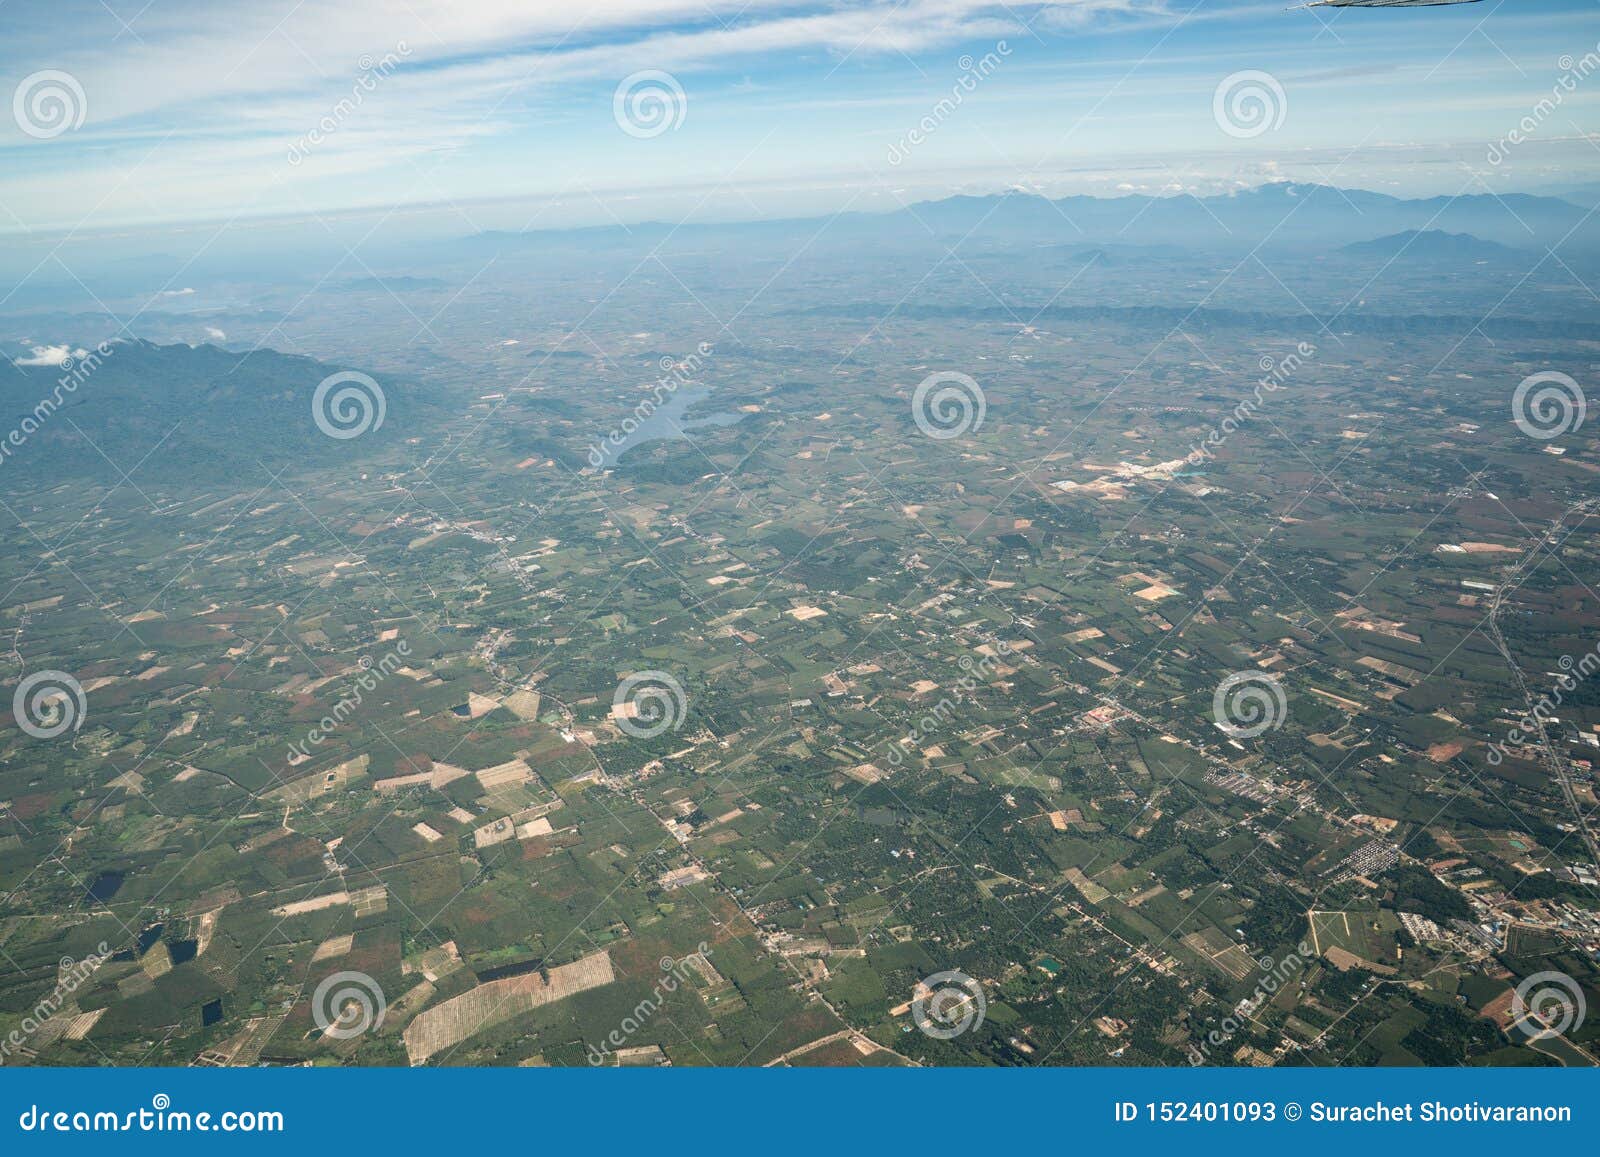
(181, 115)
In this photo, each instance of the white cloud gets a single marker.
(50, 355)
(461, 62)
(192, 55)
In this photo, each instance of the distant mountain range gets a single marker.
(179, 411)
(1202, 319)
(1429, 244)
(1280, 214)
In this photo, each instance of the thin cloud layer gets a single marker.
(205, 112)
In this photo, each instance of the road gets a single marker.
(1559, 767)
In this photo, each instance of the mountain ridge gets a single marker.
(1283, 212)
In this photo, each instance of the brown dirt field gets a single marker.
(446, 1025)
(538, 847)
(1499, 1009)
(1345, 960)
(803, 1026)
(313, 904)
(835, 1054)
(25, 807)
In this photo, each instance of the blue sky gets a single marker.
(210, 111)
